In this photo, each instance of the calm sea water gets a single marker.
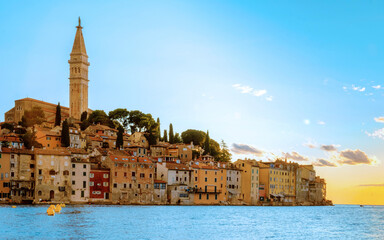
(193, 222)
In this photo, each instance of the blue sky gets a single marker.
(277, 77)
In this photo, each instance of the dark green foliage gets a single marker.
(65, 140)
(195, 136)
(84, 116)
(224, 154)
(58, 115)
(214, 148)
(165, 136)
(207, 149)
(84, 124)
(158, 128)
(121, 115)
(105, 145)
(171, 135)
(120, 140)
(177, 138)
(32, 117)
(4, 144)
(29, 140)
(99, 116)
(8, 126)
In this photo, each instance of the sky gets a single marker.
(291, 79)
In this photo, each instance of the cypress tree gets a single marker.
(171, 136)
(158, 129)
(58, 115)
(120, 140)
(165, 137)
(207, 149)
(84, 116)
(65, 140)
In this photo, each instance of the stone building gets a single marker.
(233, 184)
(53, 180)
(249, 180)
(179, 179)
(80, 180)
(5, 173)
(22, 176)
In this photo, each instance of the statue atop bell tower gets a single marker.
(78, 76)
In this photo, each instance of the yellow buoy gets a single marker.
(50, 211)
(13, 206)
(52, 206)
(58, 208)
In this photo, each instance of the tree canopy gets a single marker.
(120, 140)
(32, 117)
(171, 135)
(65, 140)
(195, 136)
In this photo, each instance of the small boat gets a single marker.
(13, 206)
(361, 205)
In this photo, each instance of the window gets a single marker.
(207, 196)
(115, 185)
(39, 193)
(73, 182)
(200, 196)
(142, 175)
(73, 173)
(125, 185)
(40, 171)
(32, 165)
(115, 174)
(84, 184)
(52, 172)
(215, 179)
(105, 175)
(91, 184)
(12, 165)
(84, 174)
(125, 174)
(146, 186)
(133, 174)
(66, 173)
(105, 184)
(32, 175)
(150, 175)
(73, 192)
(215, 196)
(138, 185)
(91, 175)
(84, 166)
(82, 194)
(195, 179)
(206, 179)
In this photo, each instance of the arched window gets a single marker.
(39, 193)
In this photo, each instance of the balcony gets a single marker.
(209, 190)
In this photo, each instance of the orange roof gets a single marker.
(176, 166)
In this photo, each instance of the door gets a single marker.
(52, 194)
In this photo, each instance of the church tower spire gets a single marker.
(78, 76)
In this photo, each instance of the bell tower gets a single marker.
(78, 76)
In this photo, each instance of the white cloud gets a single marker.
(239, 148)
(321, 122)
(269, 98)
(357, 88)
(295, 156)
(379, 133)
(250, 90)
(259, 93)
(379, 119)
(376, 87)
(307, 121)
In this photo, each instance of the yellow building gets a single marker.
(279, 180)
(209, 184)
(249, 180)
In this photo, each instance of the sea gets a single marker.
(192, 222)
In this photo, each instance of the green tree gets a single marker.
(214, 148)
(171, 135)
(32, 117)
(207, 149)
(165, 136)
(120, 140)
(29, 140)
(195, 136)
(121, 116)
(65, 140)
(224, 155)
(158, 128)
(177, 138)
(84, 116)
(58, 115)
(99, 116)
(8, 126)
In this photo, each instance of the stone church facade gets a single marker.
(78, 88)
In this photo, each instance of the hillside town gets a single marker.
(74, 155)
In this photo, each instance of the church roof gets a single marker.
(78, 44)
